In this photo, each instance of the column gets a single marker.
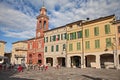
(44, 61)
(54, 62)
(83, 62)
(98, 61)
(68, 62)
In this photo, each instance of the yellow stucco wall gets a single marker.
(102, 36)
(2, 48)
(19, 48)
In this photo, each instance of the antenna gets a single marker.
(43, 3)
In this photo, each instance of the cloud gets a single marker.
(19, 19)
(14, 22)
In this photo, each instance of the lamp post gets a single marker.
(82, 49)
(115, 44)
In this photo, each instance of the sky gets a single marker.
(18, 17)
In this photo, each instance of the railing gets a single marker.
(19, 56)
(21, 49)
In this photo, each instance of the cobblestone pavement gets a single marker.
(62, 74)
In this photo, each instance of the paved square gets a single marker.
(62, 74)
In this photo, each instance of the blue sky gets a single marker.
(18, 17)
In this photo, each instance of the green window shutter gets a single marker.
(86, 32)
(107, 29)
(87, 44)
(78, 46)
(74, 35)
(70, 47)
(57, 48)
(97, 43)
(67, 36)
(46, 49)
(52, 48)
(61, 36)
(44, 39)
(79, 34)
(108, 42)
(96, 31)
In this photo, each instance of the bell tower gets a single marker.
(42, 22)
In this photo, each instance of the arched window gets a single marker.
(44, 24)
(30, 55)
(39, 55)
(40, 24)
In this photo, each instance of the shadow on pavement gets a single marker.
(7, 75)
(92, 77)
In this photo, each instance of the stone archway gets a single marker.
(49, 61)
(61, 61)
(107, 60)
(89, 59)
(75, 61)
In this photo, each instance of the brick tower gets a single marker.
(36, 45)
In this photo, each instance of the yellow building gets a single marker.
(19, 52)
(2, 50)
(91, 43)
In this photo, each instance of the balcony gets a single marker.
(20, 49)
(19, 56)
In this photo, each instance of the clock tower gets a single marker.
(42, 23)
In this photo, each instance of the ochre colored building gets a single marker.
(19, 52)
(91, 43)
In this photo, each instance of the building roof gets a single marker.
(54, 28)
(31, 39)
(3, 41)
(25, 41)
(99, 19)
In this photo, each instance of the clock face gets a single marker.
(38, 34)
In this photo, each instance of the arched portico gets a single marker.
(107, 60)
(61, 61)
(75, 61)
(49, 61)
(89, 59)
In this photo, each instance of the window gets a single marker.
(86, 33)
(87, 44)
(118, 29)
(79, 34)
(52, 48)
(107, 29)
(46, 39)
(70, 47)
(40, 24)
(54, 38)
(45, 48)
(97, 43)
(67, 36)
(31, 45)
(57, 37)
(63, 36)
(96, 31)
(72, 35)
(57, 48)
(78, 46)
(64, 47)
(44, 24)
(108, 42)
